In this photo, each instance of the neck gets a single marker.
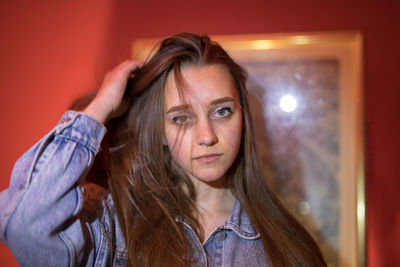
(213, 199)
(214, 204)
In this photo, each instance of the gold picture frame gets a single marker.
(324, 141)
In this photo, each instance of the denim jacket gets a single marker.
(49, 218)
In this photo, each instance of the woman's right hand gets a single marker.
(110, 101)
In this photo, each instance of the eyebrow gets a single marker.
(214, 102)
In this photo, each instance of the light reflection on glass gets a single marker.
(301, 40)
(288, 103)
(261, 44)
(304, 208)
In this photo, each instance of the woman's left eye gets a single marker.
(223, 112)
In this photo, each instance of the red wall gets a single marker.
(50, 53)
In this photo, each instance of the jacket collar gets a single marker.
(240, 223)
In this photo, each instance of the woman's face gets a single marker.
(203, 133)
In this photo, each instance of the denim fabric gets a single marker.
(49, 218)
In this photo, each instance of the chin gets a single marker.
(209, 177)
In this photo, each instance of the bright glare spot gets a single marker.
(304, 208)
(361, 211)
(261, 44)
(301, 40)
(288, 103)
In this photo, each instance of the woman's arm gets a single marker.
(40, 211)
(44, 193)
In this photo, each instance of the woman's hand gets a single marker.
(110, 101)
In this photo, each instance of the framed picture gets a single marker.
(306, 99)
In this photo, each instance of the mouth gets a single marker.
(208, 158)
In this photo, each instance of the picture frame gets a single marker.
(306, 99)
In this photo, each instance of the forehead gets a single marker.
(200, 84)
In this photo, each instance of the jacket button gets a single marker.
(221, 236)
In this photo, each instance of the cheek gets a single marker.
(178, 142)
(232, 133)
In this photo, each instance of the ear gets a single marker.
(164, 140)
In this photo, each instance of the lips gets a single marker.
(208, 158)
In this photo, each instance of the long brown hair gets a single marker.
(147, 186)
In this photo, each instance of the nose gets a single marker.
(205, 133)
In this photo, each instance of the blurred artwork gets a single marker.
(296, 124)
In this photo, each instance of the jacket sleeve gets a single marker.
(45, 196)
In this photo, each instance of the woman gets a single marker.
(185, 188)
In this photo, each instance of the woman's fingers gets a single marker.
(108, 101)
